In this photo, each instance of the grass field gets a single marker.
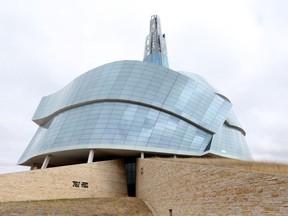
(124, 206)
(276, 168)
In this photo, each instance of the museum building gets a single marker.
(128, 109)
(140, 129)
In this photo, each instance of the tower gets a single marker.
(155, 46)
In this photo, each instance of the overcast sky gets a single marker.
(239, 46)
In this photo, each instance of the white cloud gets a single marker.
(240, 46)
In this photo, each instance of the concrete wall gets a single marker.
(99, 179)
(190, 189)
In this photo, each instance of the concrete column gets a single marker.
(46, 162)
(91, 156)
(142, 154)
(33, 167)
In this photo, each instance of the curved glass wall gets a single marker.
(137, 106)
(145, 83)
(118, 125)
(230, 143)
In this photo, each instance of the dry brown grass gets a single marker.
(269, 167)
(123, 206)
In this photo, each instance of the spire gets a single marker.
(155, 46)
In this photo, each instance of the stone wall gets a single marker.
(177, 188)
(98, 179)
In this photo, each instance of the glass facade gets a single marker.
(137, 106)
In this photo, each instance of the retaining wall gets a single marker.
(98, 179)
(177, 188)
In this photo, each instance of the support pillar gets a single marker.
(142, 154)
(91, 156)
(34, 167)
(46, 162)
